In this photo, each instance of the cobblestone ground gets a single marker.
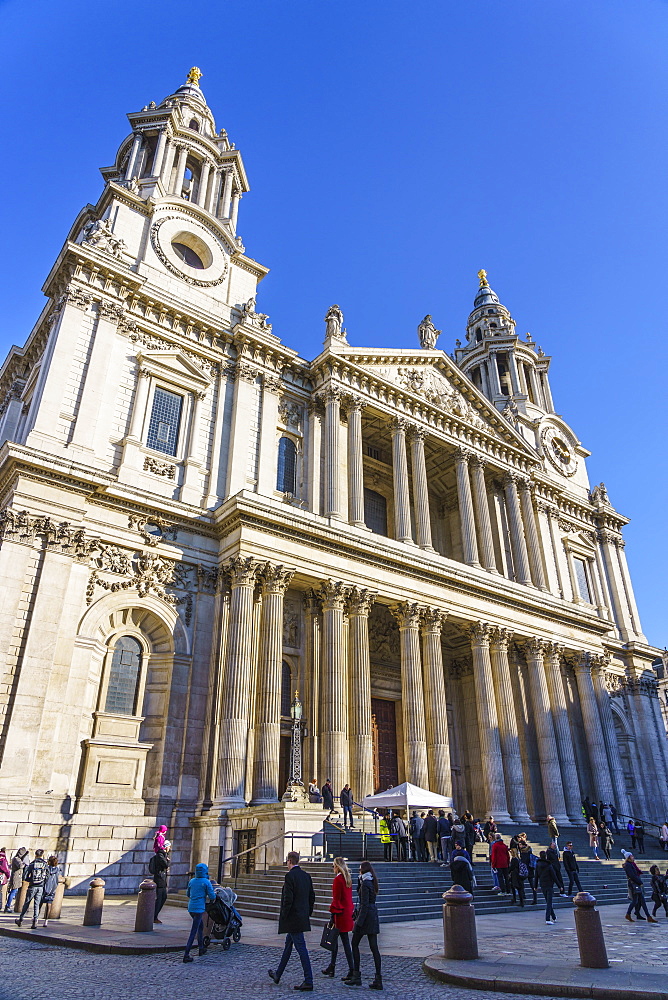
(43, 972)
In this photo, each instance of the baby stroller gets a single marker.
(222, 920)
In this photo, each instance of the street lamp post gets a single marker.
(295, 789)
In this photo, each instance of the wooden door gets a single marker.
(386, 772)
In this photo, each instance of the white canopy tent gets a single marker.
(407, 796)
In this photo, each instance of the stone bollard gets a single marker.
(590, 933)
(56, 905)
(21, 897)
(145, 906)
(459, 932)
(94, 902)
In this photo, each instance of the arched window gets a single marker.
(286, 480)
(194, 125)
(286, 689)
(478, 335)
(124, 677)
(375, 511)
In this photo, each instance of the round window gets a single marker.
(192, 250)
(187, 255)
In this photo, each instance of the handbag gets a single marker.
(329, 932)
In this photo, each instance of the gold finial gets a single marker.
(483, 278)
(194, 76)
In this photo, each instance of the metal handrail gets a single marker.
(264, 844)
(645, 823)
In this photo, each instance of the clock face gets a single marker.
(559, 451)
(190, 249)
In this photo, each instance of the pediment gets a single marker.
(176, 367)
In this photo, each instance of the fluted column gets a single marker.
(402, 514)
(420, 489)
(237, 683)
(517, 540)
(312, 684)
(180, 169)
(488, 723)
(224, 207)
(134, 154)
(481, 505)
(333, 728)
(598, 757)
(621, 798)
(628, 589)
(360, 740)
(275, 581)
(547, 744)
(203, 183)
(332, 422)
(435, 703)
(355, 464)
(508, 731)
(467, 517)
(412, 696)
(620, 608)
(562, 731)
(531, 534)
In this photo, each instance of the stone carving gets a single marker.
(291, 413)
(407, 614)
(510, 411)
(113, 560)
(275, 579)
(168, 532)
(479, 633)
(74, 296)
(599, 494)
(432, 619)
(360, 601)
(15, 391)
(148, 574)
(159, 468)
(162, 256)
(460, 667)
(383, 637)
(334, 325)
(291, 623)
(151, 343)
(248, 315)
(100, 235)
(426, 382)
(246, 371)
(333, 594)
(26, 529)
(243, 571)
(207, 578)
(428, 334)
(534, 647)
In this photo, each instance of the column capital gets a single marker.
(478, 461)
(243, 571)
(463, 454)
(313, 602)
(332, 394)
(399, 425)
(316, 406)
(432, 620)
(275, 579)
(554, 650)
(334, 594)
(407, 614)
(478, 633)
(499, 636)
(351, 402)
(524, 484)
(583, 662)
(534, 647)
(244, 370)
(511, 479)
(415, 432)
(360, 601)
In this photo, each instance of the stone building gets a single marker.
(196, 521)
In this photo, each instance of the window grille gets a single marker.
(286, 689)
(163, 428)
(124, 677)
(375, 512)
(286, 480)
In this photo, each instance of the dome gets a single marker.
(486, 295)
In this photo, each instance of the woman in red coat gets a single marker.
(341, 909)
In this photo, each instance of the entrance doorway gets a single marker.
(284, 764)
(384, 728)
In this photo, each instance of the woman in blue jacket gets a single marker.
(199, 890)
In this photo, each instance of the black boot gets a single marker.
(377, 984)
(329, 971)
(355, 979)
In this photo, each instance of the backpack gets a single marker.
(524, 871)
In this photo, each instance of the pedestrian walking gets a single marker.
(592, 830)
(297, 902)
(346, 800)
(530, 860)
(443, 830)
(366, 925)
(606, 840)
(500, 859)
(607, 814)
(546, 880)
(614, 817)
(594, 812)
(489, 830)
(469, 832)
(430, 830)
(5, 873)
(341, 909)
(18, 864)
(552, 855)
(328, 797)
(631, 830)
(200, 889)
(571, 867)
(158, 867)
(416, 824)
(53, 877)
(553, 830)
(385, 838)
(159, 839)
(35, 875)
(640, 837)
(663, 837)
(400, 836)
(636, 892)
(518, 872)
(659, 890)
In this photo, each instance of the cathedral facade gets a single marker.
(197, 522)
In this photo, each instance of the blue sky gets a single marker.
(393, 149)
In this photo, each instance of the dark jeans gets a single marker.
(373, 945)
(34, 896)
(641, 844)
(664, 904)
(533, 882)
(637, 901)
(503, 879)
(345, 941)
(387, 851)
(347, 814)
(196, 929)
(573, 879)
(549, 911)
(402, 849)
(298, 941)
(518, 890)
(160, 900)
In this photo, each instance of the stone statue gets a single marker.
(334, 323)
(428, 334)
(99, 234)
(599, 494)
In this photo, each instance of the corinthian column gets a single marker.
(420, 489)
(599, 678)
(488, 723)
(275, 581)
(531, 533)
(237, 683)
(562, 731)
(598, 757)
(402, 513)
(360, 740)
(481, 504)
(355, 465)
(312, 684)
(333, 730)
(436, 715)
(548, 754)
(517, 540)
(508, 732)
(332, 422)
(412, 697)
(467, 517)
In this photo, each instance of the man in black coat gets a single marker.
(553, 858)
(430, 831)
(346, 800)
(571, 867)
(297, 902)
(328, 796)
